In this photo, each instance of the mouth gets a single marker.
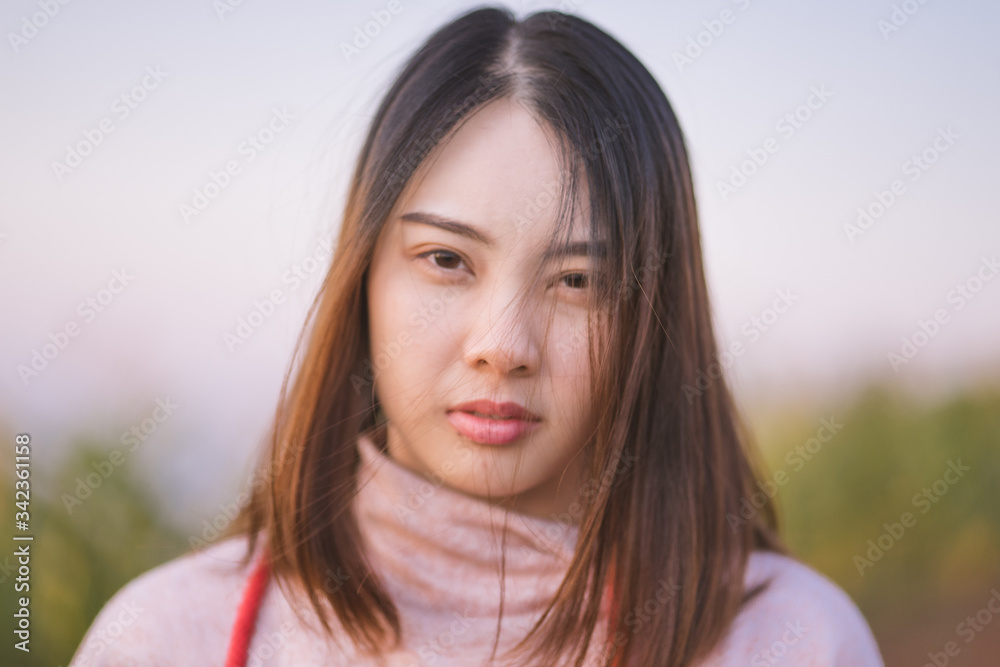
(490, 423)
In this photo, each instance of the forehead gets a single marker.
(500, 170)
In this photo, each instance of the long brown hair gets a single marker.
(679, 514)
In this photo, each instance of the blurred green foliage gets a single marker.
(876, 467)
(82, 553)
(889, 448)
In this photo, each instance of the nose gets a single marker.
(502, 337)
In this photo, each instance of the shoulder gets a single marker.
(801, 618)
(179, 613)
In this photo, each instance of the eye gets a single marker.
(450, 259)
(449, 262)
(577, 280)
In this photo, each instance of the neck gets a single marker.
(561, 502)
(426, 538)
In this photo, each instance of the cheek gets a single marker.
(409, 335)
(567, 351)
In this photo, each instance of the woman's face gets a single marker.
(453, 318)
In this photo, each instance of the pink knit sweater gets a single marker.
(437, 552)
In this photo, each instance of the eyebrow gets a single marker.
(576, 248)
(453, 226)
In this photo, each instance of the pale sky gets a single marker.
(196, 84)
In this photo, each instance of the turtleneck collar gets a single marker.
(437, 547)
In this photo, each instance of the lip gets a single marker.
(508, 409)
(488, 431)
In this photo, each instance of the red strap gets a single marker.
(246, 615)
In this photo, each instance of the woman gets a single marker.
(499, 445)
